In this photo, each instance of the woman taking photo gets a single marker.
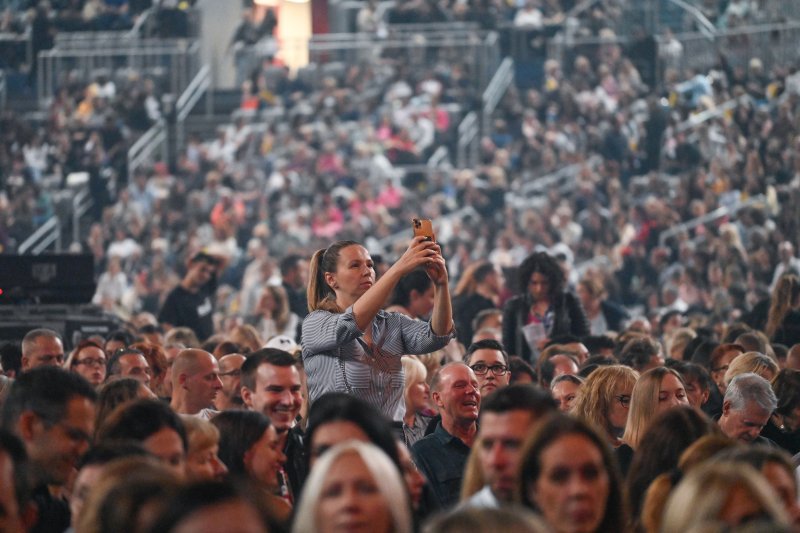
(349, 343)
(542, 310)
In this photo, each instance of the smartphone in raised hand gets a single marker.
(423, 227)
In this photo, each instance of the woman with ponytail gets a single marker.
(350, 344)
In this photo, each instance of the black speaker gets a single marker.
(46, 279)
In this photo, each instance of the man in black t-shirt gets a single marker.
(191, 303)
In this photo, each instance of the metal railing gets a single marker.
(495, 90)
(45, 236)
(3, 90)
(717, 214)
(468, 139)
(154, 140)
(197, 89)
(81, 203)
(174, 62)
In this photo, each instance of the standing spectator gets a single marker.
(478, 289)
(349, 343)
(190, 304)
(294, 278)
(542, 310)
(783, 320)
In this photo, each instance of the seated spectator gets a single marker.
(749, 402)
(752, 362)
(563, 445)
(88, 360)
(127, 492)
(195, 383)
(211, 506)
(671, 433)
(383, 508)
(479, 519)
(202, 459)
(230, 373)
(52, 411)
(564, 389)
(604, 400)
(697, 380)
(490, 363)
(41, 347)
(129, 362)
(656, 391)
(343, 417)
(91, 468)
(441, 456)
(155, 426)
(507, 417)
(783, 427)
(14, 483)
(418, 405)
(272, 385)
(703, 494)
(249, 446)
(114, 393)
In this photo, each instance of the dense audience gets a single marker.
(596, 368)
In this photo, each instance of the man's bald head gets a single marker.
(195, 381)
(189, 361)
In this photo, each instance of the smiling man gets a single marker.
(195, 383)
(490, 363)
(52, 411)
(271, 384)
(442, 455)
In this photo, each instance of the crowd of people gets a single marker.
(379, 419)
(291, 359)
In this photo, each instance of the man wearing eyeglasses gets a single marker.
(490, 363)
(52, 411)
(230, 372)
(41, 347)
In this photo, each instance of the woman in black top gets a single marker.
(542, 310)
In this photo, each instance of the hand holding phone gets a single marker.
(423, 227)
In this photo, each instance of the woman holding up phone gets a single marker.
(350, 344)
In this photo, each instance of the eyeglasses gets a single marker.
(624, 400)
(483, 368)
(91, 362)
(235, 373)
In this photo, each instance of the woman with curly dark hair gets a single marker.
(543, 309)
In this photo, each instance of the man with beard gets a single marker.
(271, 384)
(230, 373)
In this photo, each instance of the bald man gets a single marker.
(195, 383)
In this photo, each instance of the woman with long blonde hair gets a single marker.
(604, 398)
